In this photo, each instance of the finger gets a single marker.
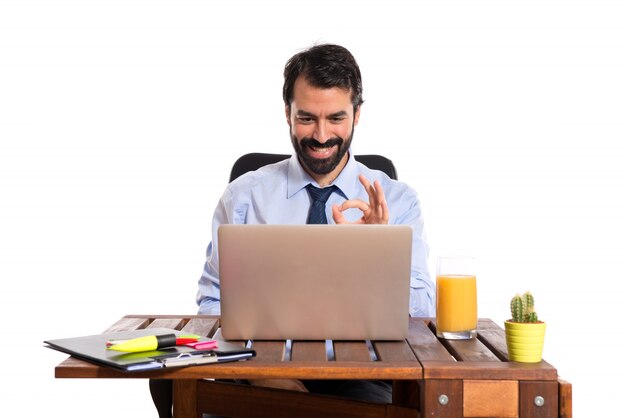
(371, 192)
(338, 215)
(380, 193)
(355, 204)
(383, 211)
(340, 219)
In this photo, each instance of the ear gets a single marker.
(357, 115)
(288, 114)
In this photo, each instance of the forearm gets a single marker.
(422, 288)
(208, 296)
(209, 306)
(422, 302)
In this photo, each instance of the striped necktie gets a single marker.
(319, 197)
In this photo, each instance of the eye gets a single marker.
(337, 119)
(305, 119)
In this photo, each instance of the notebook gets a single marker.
(314, 282)
(92, 348)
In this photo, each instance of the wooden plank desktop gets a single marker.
(444, 378)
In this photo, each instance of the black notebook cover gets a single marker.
(93, 348)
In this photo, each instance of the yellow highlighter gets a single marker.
(149, 343)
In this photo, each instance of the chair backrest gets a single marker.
(255, 160)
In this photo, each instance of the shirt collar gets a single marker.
(298, 178)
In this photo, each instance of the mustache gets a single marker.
(310, 142)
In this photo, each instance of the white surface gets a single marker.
(119, 122)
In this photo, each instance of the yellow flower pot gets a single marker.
(524, 341)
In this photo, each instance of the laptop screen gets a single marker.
(315, 282)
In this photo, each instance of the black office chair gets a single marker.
(255, 160)
(161, 390)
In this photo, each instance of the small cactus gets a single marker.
(523, 308)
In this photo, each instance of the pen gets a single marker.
(149, 343)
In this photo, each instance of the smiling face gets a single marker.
(321, 122)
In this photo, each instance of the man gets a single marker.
(323, 97)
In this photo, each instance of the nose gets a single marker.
(321, 133)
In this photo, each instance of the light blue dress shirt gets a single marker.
(276, 194)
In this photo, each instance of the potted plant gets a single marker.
(524, 332)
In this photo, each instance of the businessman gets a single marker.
(322, 183)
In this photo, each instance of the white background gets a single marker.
(119, 121)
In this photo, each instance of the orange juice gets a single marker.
(456, 303)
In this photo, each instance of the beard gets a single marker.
(324, 165)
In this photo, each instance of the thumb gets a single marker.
(338, 215)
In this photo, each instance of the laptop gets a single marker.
(314, 282)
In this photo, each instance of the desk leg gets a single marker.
(538, 399)
(185, 398)
(565, 399)
(406, 393)
(405, 399)
(441, 398)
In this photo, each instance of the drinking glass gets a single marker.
(456, 298)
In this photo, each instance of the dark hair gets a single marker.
(324, 66)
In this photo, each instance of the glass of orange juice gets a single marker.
(457, 316)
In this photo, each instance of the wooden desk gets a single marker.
(432, 377)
